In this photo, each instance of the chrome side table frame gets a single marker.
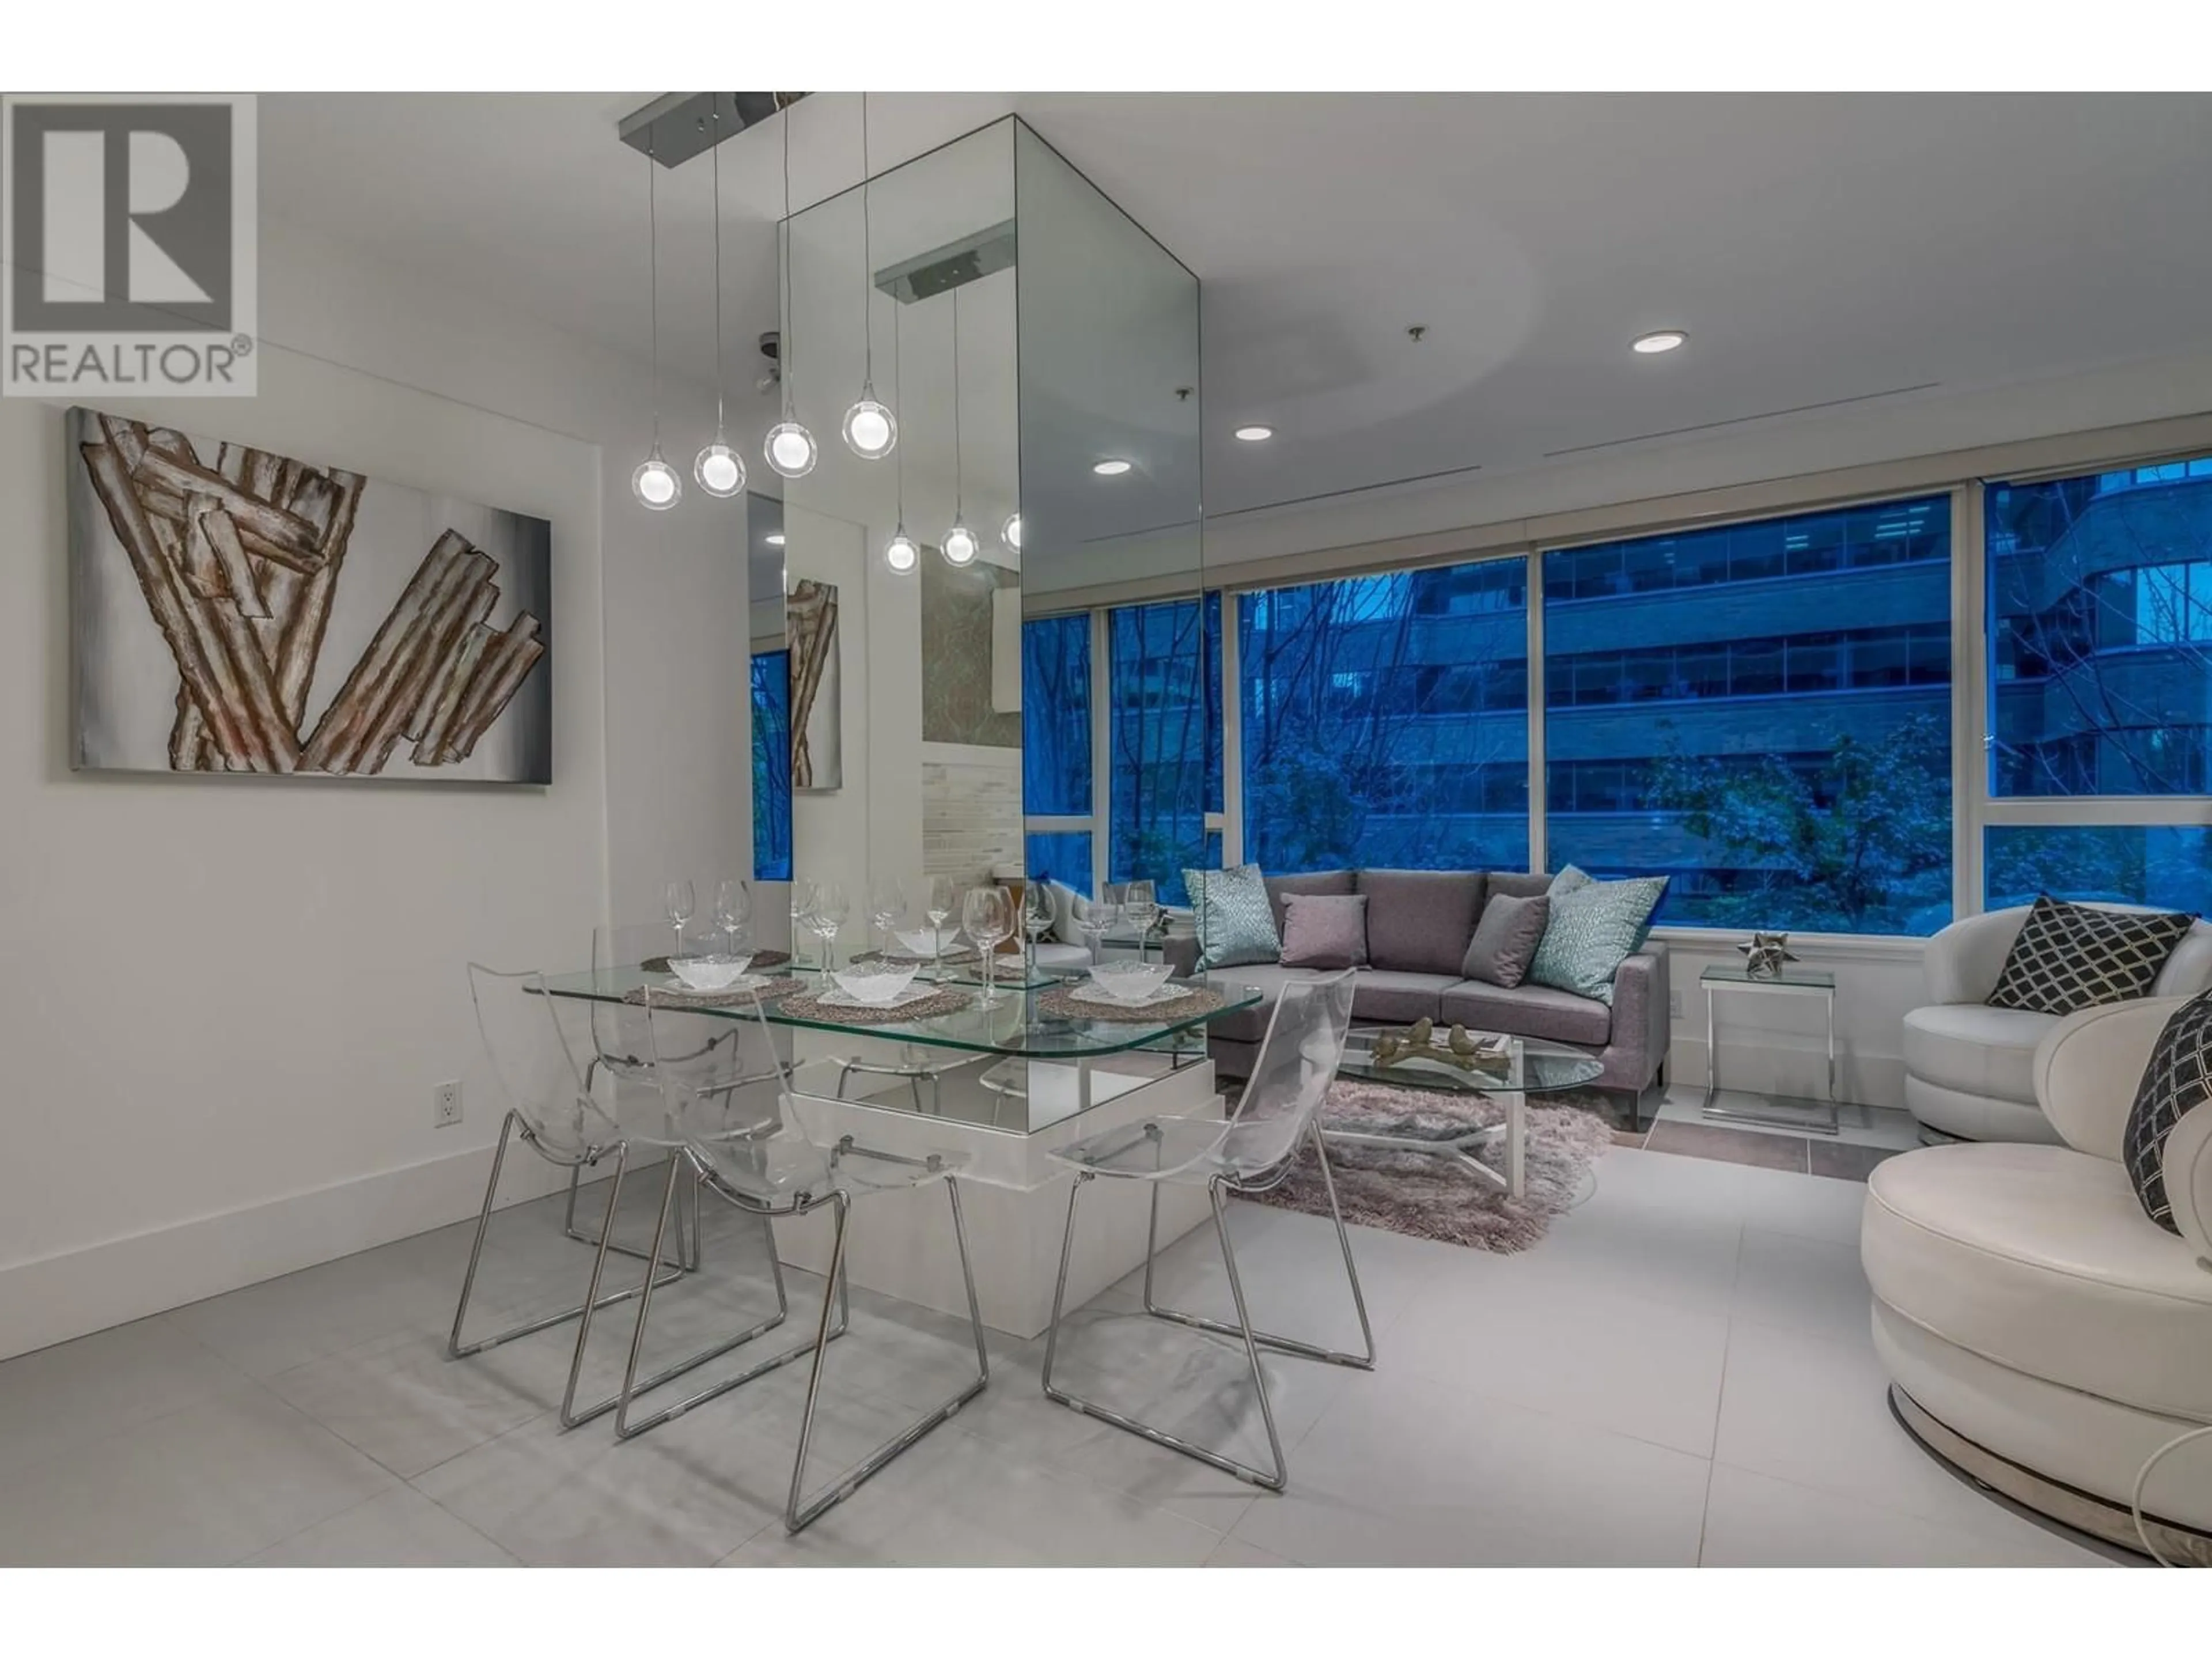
(1219, 1189)
(1822, 985)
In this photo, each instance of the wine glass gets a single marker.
(802, 907)
(1039, 917)
(680, 903)
(826, 916)
(1101, 916)
(886, 908)
(1140, 909)
(734, 911)
(944, 895)
(987, 914)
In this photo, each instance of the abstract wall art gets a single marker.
(234, 610)
(818, 746)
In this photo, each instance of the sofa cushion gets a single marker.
(1594, 927)
(1236, 921)
(2176, 1081)
(1336, 882)
(1419, 922)
(1325, 930)
(1391, 997)
(1506, 938)
(2040, 1258)
(1515, 884)
(2070, 956)
(1529, 1011)
(1975, 1049)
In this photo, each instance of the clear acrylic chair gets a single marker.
(914, 1062)
(532, 1041)
(730, 1108)
(1254, 1149)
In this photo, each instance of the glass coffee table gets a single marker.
(1528, 1067)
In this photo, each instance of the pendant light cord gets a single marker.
(867, 261)
(959, 480)
(717, 273)
(898, 386)
(789, 344)
(653, 266)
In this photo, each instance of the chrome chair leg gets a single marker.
(455, 1348)
(798, 1516)
(1364, 1361)
(633, 1386)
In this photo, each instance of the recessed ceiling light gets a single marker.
(1664, 339)
(1109, 468)
(1255, 434)
(774, 538)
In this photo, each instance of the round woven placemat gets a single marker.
(760, 959)
(1061, 1003)
(811, 1006)
(669, 996)
(965, 953)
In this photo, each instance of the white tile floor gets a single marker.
(1681, 1373)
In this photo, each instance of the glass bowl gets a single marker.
(921, 942)
(709, 972)
(1131, 981)
(876, 983)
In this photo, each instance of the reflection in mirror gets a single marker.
(771, 710)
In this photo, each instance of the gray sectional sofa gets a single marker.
(1418, 926)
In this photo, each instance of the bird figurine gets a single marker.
(1765, 954)
(1422, 1029)
(1387, 1048)
(1461, 1042)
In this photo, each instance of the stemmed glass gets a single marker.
(1101, 917)
(734, 911)
(680, 903)
(826, 916)
(943, 895)
(1039, 916)
(802, 908)
(886, 908)
(1140, 909)
(987, 914)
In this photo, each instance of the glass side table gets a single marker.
(1815, 1116)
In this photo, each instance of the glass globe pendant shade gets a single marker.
(719, 471)
(790, 449)
(655, 483)
(1011, 532)
(959, 545)
(901, 553)
(871, 430)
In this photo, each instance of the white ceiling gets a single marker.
(1817, 248)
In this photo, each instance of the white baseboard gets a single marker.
(52, 1298)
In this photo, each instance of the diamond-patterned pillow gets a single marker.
(2177, 1081)
(2073, 955)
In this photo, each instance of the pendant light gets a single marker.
(960, 545)
(871, 430)
(1011, 532)
(655, 483)
(790, 447)
(719, 471)
(900, 553)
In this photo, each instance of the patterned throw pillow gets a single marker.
(1236, 923)
(2073, 955)
(1594, 927)
(2177, 1081)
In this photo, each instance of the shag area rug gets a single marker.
(1431, 1196)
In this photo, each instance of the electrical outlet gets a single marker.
(1673, 1003)
(445, 1105)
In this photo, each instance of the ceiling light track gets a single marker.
(678, 125)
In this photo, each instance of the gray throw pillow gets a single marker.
(1594, 927)
(1325, 930)
(1236, 923)
(1506, 938)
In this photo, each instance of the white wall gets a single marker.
(225, 1001)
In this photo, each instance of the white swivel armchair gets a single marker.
(1969, 1068)
(2042, 1333)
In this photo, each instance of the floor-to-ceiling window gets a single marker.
(2099, 595)
(1163, 701)
(1384, 720)
(771, 724)
(1761, 712)
(1057, 758)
